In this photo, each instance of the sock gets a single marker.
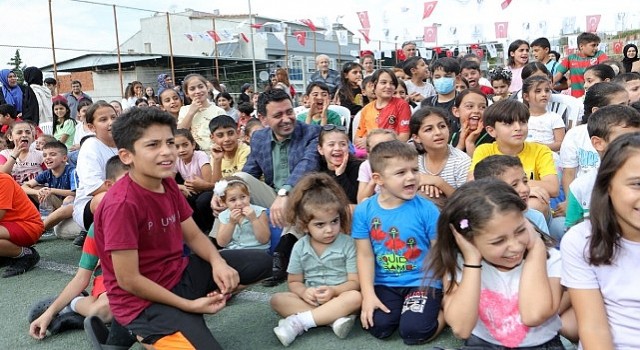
(66, 310)
(306, 319)
(73, 303)
(23, 252)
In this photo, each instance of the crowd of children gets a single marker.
(477, 208)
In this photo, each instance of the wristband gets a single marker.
(472, 266)
(14, 157)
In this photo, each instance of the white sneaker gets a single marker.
(342, 326)
(285, 332)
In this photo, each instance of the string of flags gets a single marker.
(370, 30)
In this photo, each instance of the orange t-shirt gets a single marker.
(18, 208)
(394, 116)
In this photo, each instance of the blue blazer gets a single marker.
(303, 154)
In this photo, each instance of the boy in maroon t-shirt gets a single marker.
(155, 291)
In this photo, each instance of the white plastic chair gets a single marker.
(354, 124)
(345, 114)
(569, 107)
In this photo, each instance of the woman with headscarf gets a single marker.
(12, 92)
(37, 98)
(164, 82)
(629, 56)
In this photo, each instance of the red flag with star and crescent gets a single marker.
(301, 36)
(429, 6)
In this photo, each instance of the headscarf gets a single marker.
(37, 99)
(162, 85)
(626, 61)
(12, 95)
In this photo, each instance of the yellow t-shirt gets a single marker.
(537, 159)
(231, 166)
(200, 124)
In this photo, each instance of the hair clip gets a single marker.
(220, 188)
(464, 224)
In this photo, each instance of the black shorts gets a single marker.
(87, 216)
(160, 320)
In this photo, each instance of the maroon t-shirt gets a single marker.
(132, 217)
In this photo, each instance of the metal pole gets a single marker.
(115, 21)
(53, 45)
(339, 52)
(215, 48)
(173, 72)
(253, 50)
(286, 49)
(314, 44)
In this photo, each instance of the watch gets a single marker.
(283, 192)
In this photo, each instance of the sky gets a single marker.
(81, 27)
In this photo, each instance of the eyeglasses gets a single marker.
(330, 127)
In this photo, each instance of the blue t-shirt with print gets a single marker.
(68, 180)
(400, 239)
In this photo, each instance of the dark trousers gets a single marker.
(414, 312)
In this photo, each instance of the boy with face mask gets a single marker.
(444, 72)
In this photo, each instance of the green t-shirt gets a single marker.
(67, 128)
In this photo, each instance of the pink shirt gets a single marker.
(193, 168)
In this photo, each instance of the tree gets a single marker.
(16, 63)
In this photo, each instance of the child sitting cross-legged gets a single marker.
(323, 279)
(56, 185)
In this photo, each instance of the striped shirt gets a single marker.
(455, 170)
(576, 64)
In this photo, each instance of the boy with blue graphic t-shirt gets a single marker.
(394, 231)
(57, 184)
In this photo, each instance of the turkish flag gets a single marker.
(364, 19)
(428, 8)
(430, 34)
(479, 53)
(617, 47)
(365, 34)
(400, 55)
(592, 23)
(213, 35)
(502, 30)
(505, 4)
(257, 25)
(307, 22)
(301, 36)
(244, 37)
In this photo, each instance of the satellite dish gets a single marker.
(264, 75)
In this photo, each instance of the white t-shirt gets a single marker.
(426, 90)
(616, 282)
(200, 124)
(92, 161)
(541, 127)
(80, 133)
(194, 168)
(27, 169)
(499, 319)
(455, 170)
(578, 152)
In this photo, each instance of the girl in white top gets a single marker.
(22, 162)
(545, 127)
(443, 168)
(601, 256)
(196, 116)
(501, 280)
